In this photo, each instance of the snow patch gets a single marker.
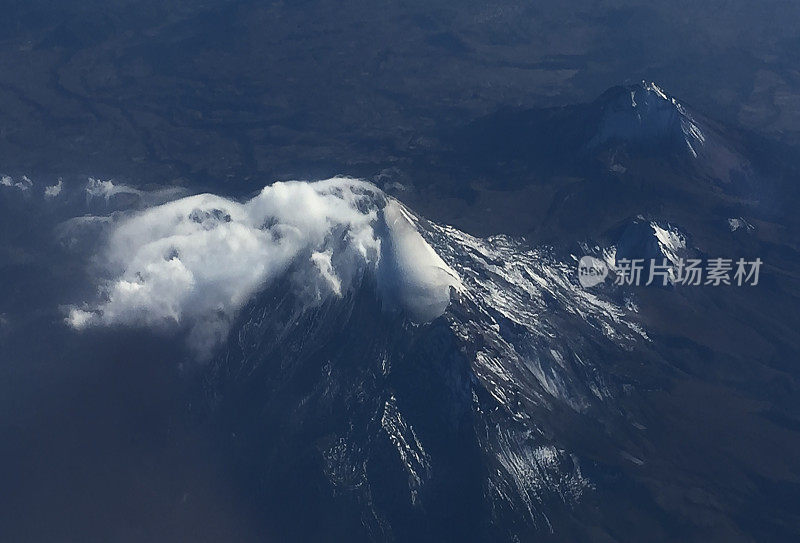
(740, 224)
(670, 241)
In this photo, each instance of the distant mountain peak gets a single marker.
(644, 114)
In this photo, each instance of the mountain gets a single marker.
(532, 407)
(638, 121)
(373, 362)
(646, 116)
(578, 172)
(446, 430)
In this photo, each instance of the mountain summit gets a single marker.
(644, 114)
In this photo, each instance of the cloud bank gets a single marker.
(197, 260)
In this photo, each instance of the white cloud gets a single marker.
(79, 318)
(412, 274)
(197, 260)
(54, 190)
(23, 184)
(325, 267)
(97, 189)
